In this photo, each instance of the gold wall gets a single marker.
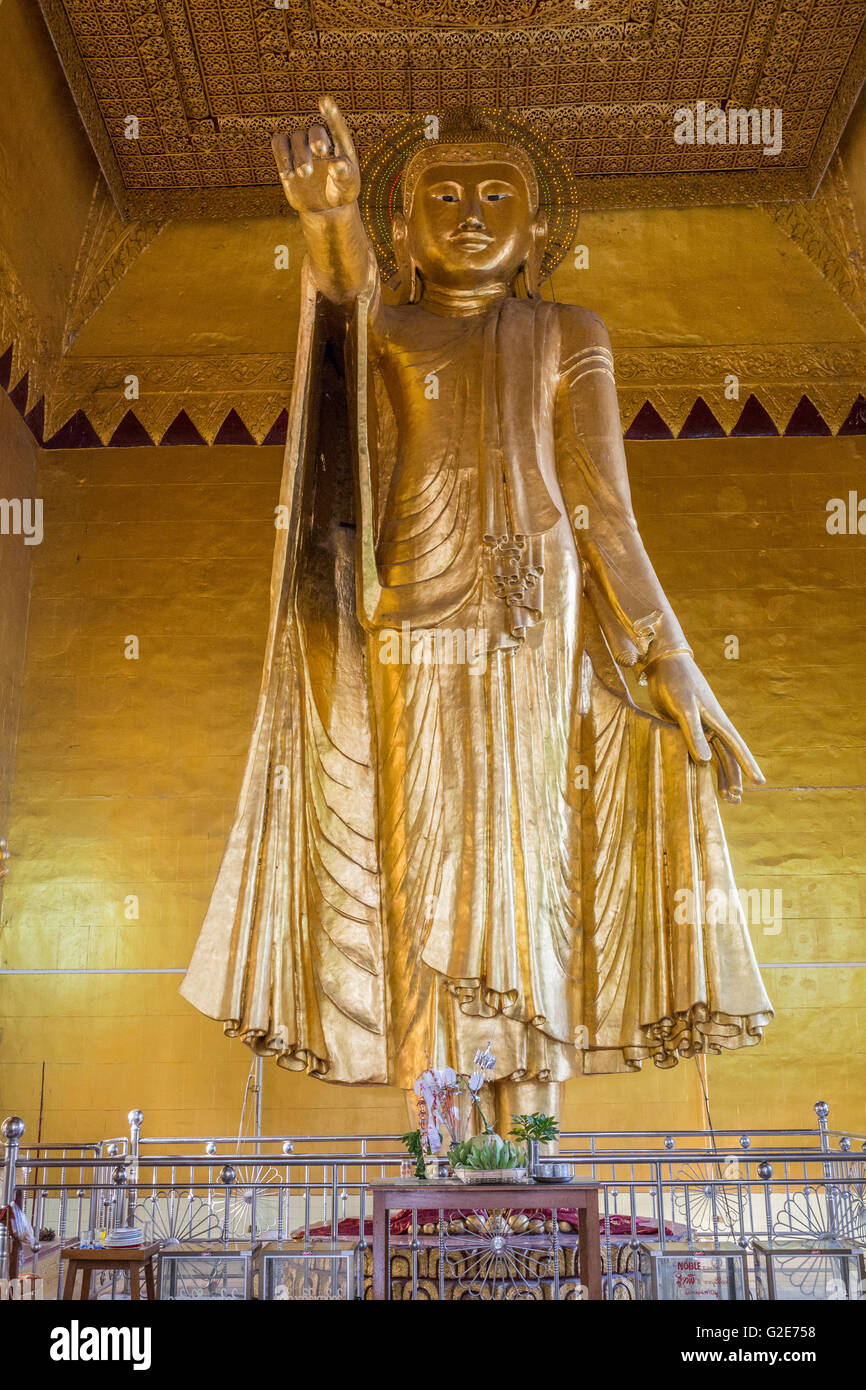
(47, 173)
(47, 169)
(738, 532)
(127, 772)
(18, 454)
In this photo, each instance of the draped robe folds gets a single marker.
(430, 854)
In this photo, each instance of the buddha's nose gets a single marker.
(472, 218)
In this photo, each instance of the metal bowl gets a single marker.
(553, 1172)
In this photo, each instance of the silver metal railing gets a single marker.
(726, 1186)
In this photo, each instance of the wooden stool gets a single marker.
(132, 1261)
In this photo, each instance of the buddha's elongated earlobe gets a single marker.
(408, 287)
(528, 277)
(525, 281)
(414, 281)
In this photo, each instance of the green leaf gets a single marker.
(544, 1128)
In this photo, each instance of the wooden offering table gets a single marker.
(132, 1260)
(497, 1256)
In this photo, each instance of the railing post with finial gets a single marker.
(822, 1110)
(135, 1118)
(11, 1129)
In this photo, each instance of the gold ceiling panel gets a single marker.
(413, 16)
(208, 80)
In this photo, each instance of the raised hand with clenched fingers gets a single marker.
(318, 168)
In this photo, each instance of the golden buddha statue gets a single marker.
(456, 826)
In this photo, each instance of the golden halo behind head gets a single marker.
(391, 171)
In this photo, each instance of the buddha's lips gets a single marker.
(472, 241)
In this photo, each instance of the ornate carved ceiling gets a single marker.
(208, 80)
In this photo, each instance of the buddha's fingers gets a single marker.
(282, 154)
(320, 141)
(721, 725)
(301, 155)
(689, 719)
(730, 777)
(340, 133)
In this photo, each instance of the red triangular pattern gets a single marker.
(181, 431)
(856, 419)
(233, 431)
(807, 420)
(754, 422)
(648, 424)
(6, 367)
(701, 423)
(18, 395)
(279, 429)
(130, 434)
(77, 433)
(35, 421)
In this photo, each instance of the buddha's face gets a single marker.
(471, 225)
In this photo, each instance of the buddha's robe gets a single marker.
(482, 838)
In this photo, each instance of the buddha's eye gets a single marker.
(447, 197)
(495, 197)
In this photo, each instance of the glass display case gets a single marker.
(207, 1272)
(691, 1273)
(793, 1270)
(292, 1270)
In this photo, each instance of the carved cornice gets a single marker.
(672, 379)
(109, 248)
(21, 327)
(257, 386)
(826, 230)
(206, 388)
